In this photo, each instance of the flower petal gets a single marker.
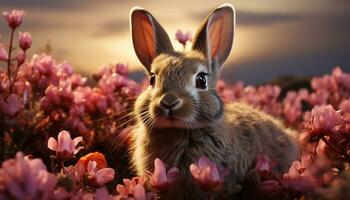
(159, 175)
(64, 142)
(139, 192)
(91, 166)
(79, 171)
(195, 171)
(15, 190)
(78, 149)
(77, 140)
(129, 185)
(104, 175)
(52, 144)
(102, 194)
(173, 174)
(262, 163)
(121, 189)
(204, 162)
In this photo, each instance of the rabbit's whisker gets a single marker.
(115, 114)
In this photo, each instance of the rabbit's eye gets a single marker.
(201, 80)
(152, 80)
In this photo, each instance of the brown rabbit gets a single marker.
(180, 117)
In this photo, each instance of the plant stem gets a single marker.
(53, 168)
(210, 196)
(23, 141)
(9, 59)
(62, 166)
(335, 149)
(14, 78)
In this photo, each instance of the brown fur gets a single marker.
(231, 138)
(231, 135)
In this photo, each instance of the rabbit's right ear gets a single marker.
(148, 36)
(214, 38)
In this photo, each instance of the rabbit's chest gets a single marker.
(183, 147)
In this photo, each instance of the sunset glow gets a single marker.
(93, 33)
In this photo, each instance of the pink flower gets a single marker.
(127, 189)
(102, 194)
(91, 99)
(263, 163)
(122, 69)
(14, 19)
(99, 194)
(93, 169)
(345, 106)
(97, 157)
(183, 37)
(322, 120)
(3, 53)
(134, 190)
(326, 82)
(160, 179)
(12, 106)
(292, 105)
(110, 82)
(139, 192)
(78, 80)
(207, 175)
(319, 97)
(342, 78)
(346, 127)
(61, 193)
(99, 176)
(268, 187)
(25, 40)
(65, 147)
(299, 177)
(24, 178)
(64, 69)
(57, 95)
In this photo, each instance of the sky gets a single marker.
(272, 37)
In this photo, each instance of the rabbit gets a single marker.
(180, 117)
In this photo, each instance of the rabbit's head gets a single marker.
(182, 85)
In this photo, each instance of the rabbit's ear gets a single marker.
(148, 36)
(214, 38)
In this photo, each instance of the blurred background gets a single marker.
(273, 38)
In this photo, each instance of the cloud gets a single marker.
(112, 27)
(288, 38)
(305, 65)
(255, 19)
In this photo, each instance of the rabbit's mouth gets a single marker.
(174, 122)
(169, 122)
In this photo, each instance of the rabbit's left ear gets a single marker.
(214, 38)
(148, 36)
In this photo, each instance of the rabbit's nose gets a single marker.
(170, 101)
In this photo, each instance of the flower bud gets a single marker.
(14, 19)
(25, 40)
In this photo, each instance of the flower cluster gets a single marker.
(64, 136)
(39, 97)
(25, 178)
